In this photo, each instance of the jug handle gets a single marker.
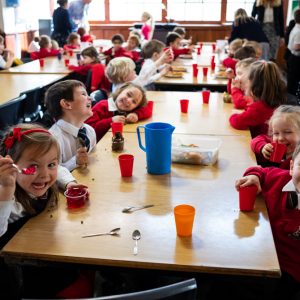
(139, 137)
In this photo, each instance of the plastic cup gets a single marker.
(204, 70)
(212, 66)
(70, 53)
(199, 50)
(213, 47)
(59, 56)
(247, 196)
(67, 61)
(184, 219)
(76, 197)
(205, 96)
(195, 70)
(150, 105)
(278, 152)
(126, 164)
(42, 62)
(184, 105)
(116, 127)
(212, 59)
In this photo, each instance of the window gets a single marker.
(96, 10)
(131, 10)
(194, 10)
(233, 5)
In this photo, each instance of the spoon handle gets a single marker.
(135, 249)
(142, 207)
(94, 234)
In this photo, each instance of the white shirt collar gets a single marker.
(112, 105)
(290, 187)
(68, 127)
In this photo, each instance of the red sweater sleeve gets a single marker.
(108, 51)
(82, 70)
(229, 86)
(180, 51)
(258, 143)
(143, 112)
(101, 119)
(98, 78)
(238, 98)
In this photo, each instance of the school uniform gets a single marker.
(239, 100)
(115, 53)
(255, 118)
(178, 51)
(105, 110)
(67, 136)
(230, 62)
(283, 203)
(257, 144)
(43, 53)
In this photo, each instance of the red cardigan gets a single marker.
(255, 118)
(230, 62)
(258, 143)
(285, 222)
(240, 101)
(44, 53)
(118, 53)
(102, 117)
(178, 51)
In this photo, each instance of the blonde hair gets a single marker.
(241, 17)
(245, 63)
(45, 41)
(236, 44)
(273, 3)
(54, 45)
(135, 38)
(290, 113)
(119, 68)
(40, 143)
(72, 37)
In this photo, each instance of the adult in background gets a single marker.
(78, 10)
(147, 27)
(270, 15)
(245, 27)
(62, 23)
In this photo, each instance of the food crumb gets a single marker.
(81, 222)
(51, 216)
(93, 179)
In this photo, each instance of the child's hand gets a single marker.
(248, 180)
(165, 69)
(229, 73)
(119, 119)
(132, 118)
(8, 176)
(235, 83)
(167, 56)
(267, 150)
(82, 157)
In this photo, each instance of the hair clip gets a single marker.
(17, 134)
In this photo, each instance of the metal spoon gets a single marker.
(114, 231)
(136, 235)
(26, 171)
(130, 209)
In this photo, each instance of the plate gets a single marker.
(186, 56)
(174, 75)
(178, 69)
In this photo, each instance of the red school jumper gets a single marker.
(285, 222)
(43, 53)
(240, 101)
(102, 117)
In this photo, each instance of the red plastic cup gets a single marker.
(247, 196)
(184, 219)
(199, 50)
(116, 127)
(278, 152)
(195, 70)
(126, 164)
(213, 58)
(150, 105)
(205, 96)
(76, 197)
(201, 45)
(204, 70)
(42, 62)
(213, 47)
(67, 61)
(212, 66)
(184, 105)
(70, 53)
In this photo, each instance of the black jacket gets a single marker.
(278, 17)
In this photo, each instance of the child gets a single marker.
(173, 40)
(6, 56)
(91, 62)
(238, 85)
(284, 127)
(46, 49)
(116, 50)
(280, 189)
(230, 62)
(256, 46)
(267, 89)
(127, 104)
(84, 36)
(24, 196)
(73, 42)
(244, 52)
(69, 104)
(181, 31)
(132, 48)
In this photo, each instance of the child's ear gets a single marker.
(65, 104)
(291, 167)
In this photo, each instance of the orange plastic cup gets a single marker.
(184, 105)
(205, 96)
(195, 70)
(205, 70)
(278, 152)
(67, 61)
(42, 62)
(184, 219)
(247, 196)
(116, 127)
(126, 164)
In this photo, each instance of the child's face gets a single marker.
(176, 43)
(76, 41)
(295, 172)
(81, 105)
(117, 44)
(286, 133)
(131, 44)
(242, 77)
(129, 99)
(87, 60)
(46, 174)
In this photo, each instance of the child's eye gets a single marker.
(52, 165)
(134, 101)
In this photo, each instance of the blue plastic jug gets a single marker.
(158, 140)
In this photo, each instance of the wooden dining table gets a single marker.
(224, 240)
(207, 119)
